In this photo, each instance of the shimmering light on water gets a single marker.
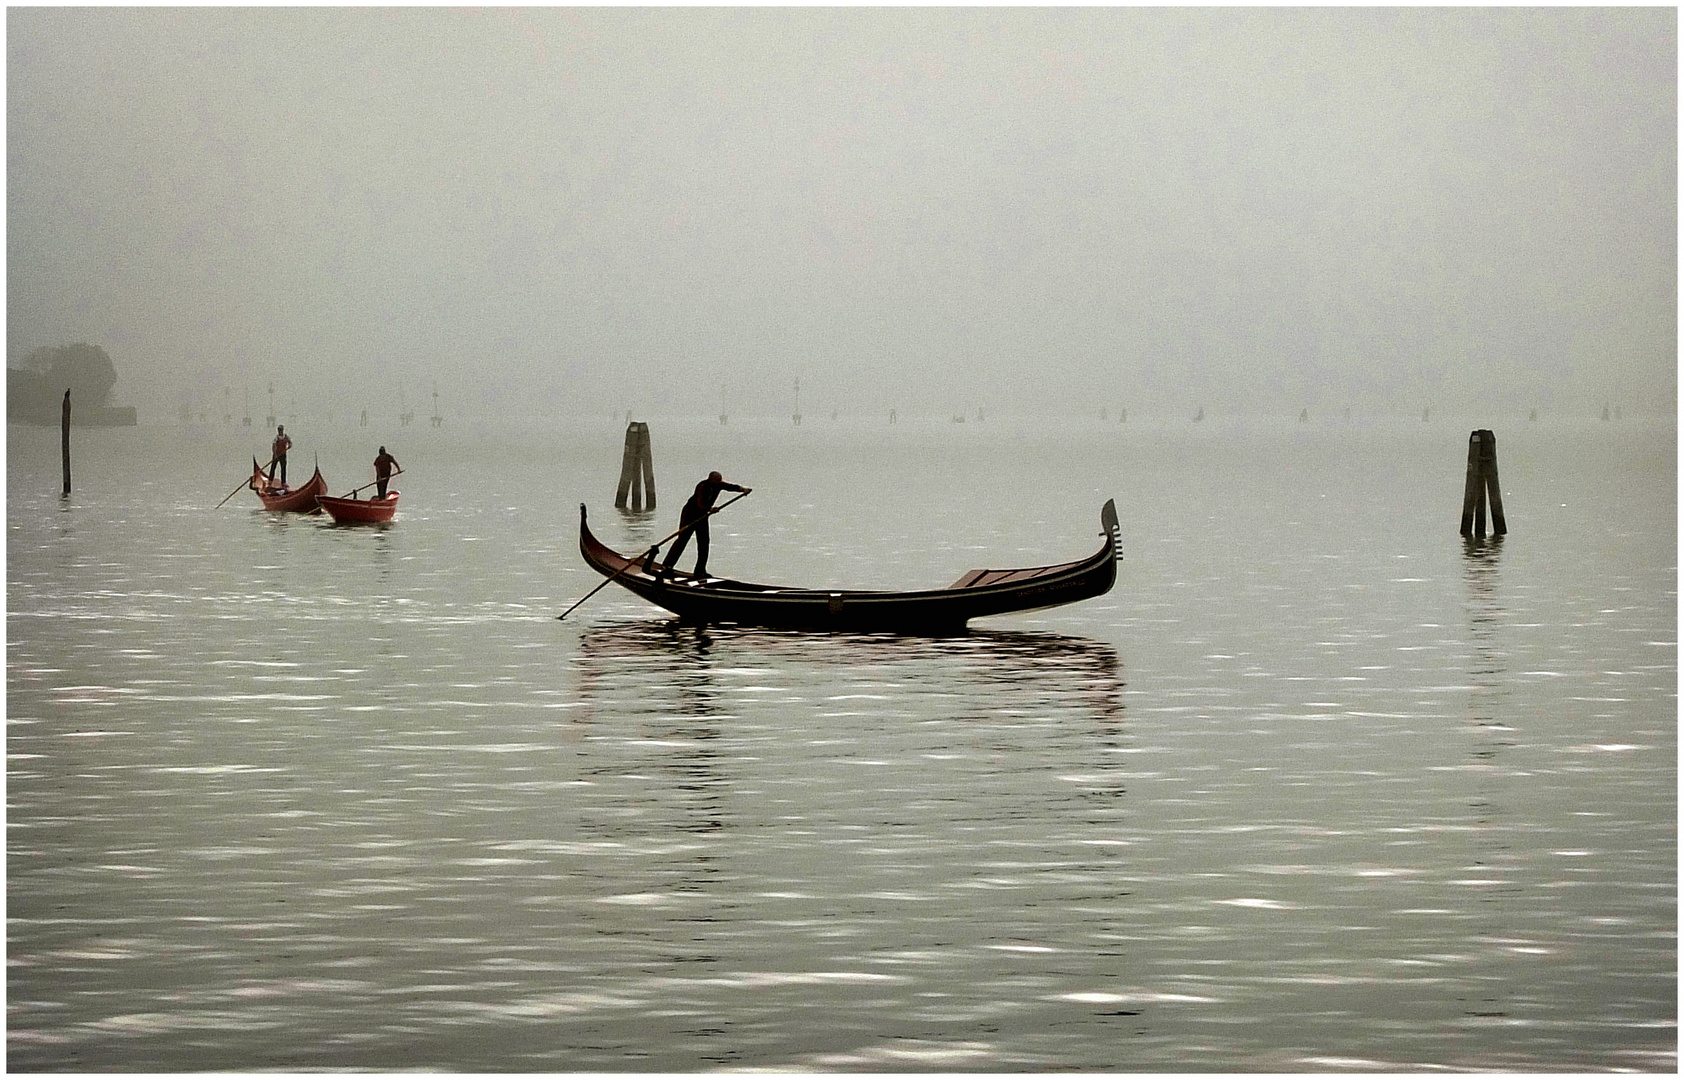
(1319, 786)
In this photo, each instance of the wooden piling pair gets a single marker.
(1481, 483)
(637, 469)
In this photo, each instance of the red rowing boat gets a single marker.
(360, 511)
(299, 500)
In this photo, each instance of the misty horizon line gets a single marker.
(385, 421)
(650, 398)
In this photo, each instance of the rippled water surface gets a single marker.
(1317, 786)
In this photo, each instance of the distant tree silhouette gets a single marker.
(85, 370)
(34, 389)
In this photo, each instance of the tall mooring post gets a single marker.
(64, 439)
(1482, 482)
(637, 469)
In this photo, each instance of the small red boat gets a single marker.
(299, 500)
(359, 511)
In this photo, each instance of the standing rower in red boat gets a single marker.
(278, 453)
(383, 466)
(693, 521)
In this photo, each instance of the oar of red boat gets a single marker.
(353, 492)
(244, 483)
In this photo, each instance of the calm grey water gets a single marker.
(1318, 786)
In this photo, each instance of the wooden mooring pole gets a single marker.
(1482, 485)
(64, 439)
(637, 469)
(648, 458)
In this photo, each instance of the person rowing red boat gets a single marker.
(693, 521)
(383, 466)
(278, 454)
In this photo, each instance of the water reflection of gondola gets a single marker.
(684, 716)
(758, 785)
(1003, 689)
(647, 637)
(697, 719)
(985, 660)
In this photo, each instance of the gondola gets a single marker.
(360, 511)
(299, 500)
(976, 594)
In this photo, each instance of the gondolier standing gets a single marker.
(693, 520)
(278, 453)
(383, 466)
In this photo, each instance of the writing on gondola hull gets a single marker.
(976, 594)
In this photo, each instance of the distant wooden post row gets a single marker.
(1481, 483)
(637, 469)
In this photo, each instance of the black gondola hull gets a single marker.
(979, 594)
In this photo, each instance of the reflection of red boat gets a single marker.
(360, 511)
(275, 496)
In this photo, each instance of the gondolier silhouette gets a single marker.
(278, 453)
(383, 470)
(693, 521)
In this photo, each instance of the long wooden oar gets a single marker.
(613, 577)
(236, 491)
(353, 492)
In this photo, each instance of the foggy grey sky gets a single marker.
(1030, 210)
